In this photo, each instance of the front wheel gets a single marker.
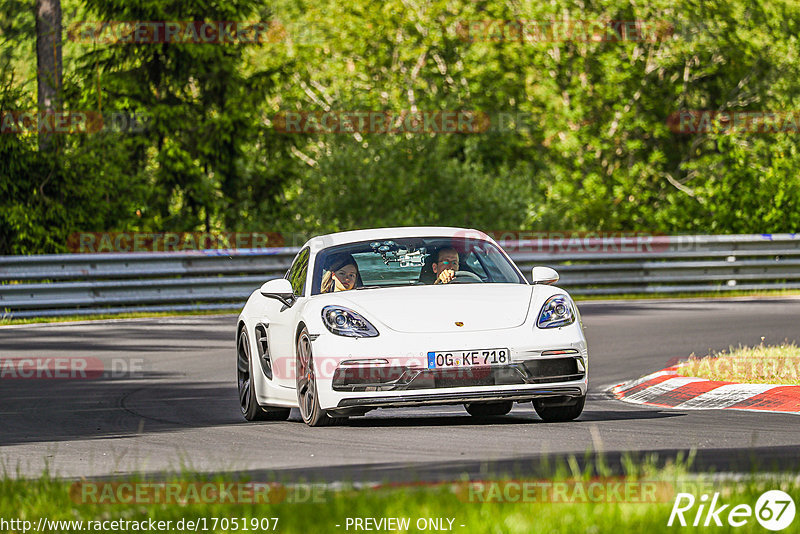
(559, 414)
(248, 403)
(307, 397)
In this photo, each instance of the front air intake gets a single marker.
(262, 344)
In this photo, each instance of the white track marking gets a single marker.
(628, 385)
(724, 396)
(648, 394)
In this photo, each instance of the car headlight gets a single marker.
(344, 322)
(557, 311)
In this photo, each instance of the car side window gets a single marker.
(298, 271)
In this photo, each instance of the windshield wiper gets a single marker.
(383, 285)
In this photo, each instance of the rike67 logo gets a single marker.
(774, 510)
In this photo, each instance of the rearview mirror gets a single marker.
(544, 275)
(279, 289)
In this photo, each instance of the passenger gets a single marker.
(445, 266)
(341, 274)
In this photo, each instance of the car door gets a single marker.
(283, 321)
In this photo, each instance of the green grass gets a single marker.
(303, 511)
(764, 364)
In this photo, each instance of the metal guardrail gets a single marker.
(76, 284)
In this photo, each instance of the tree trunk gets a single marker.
(48, 62)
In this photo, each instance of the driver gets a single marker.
(445, 266)
(341, 274)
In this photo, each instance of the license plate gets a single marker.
(468, 358)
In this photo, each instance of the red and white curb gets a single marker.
(666, 388)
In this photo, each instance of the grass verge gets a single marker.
(764, 364)
(129, 315)
(570, 501)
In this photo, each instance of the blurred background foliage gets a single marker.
(590, 149)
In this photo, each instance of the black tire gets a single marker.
(559, 414)
(248, 403)
(489, 409)
(307, 398)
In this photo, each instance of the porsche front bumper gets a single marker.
(390, 377)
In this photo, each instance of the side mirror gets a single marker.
(279, 289)
(544, 275)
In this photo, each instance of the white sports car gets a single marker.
(398, 317)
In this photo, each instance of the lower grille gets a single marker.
(459, 398)
(377, 378)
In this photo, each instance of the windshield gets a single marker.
(411, 261)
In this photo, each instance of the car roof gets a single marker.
(355, 236)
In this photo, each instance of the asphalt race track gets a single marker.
(172, 405)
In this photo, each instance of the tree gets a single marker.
(201, 153)
(48, 61)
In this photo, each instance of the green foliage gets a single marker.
(391, 181)
(596, 152)
(203, 102)
(591, 149)
(45, 197)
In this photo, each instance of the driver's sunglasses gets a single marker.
(449, 262)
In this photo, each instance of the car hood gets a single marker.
(426, 309)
